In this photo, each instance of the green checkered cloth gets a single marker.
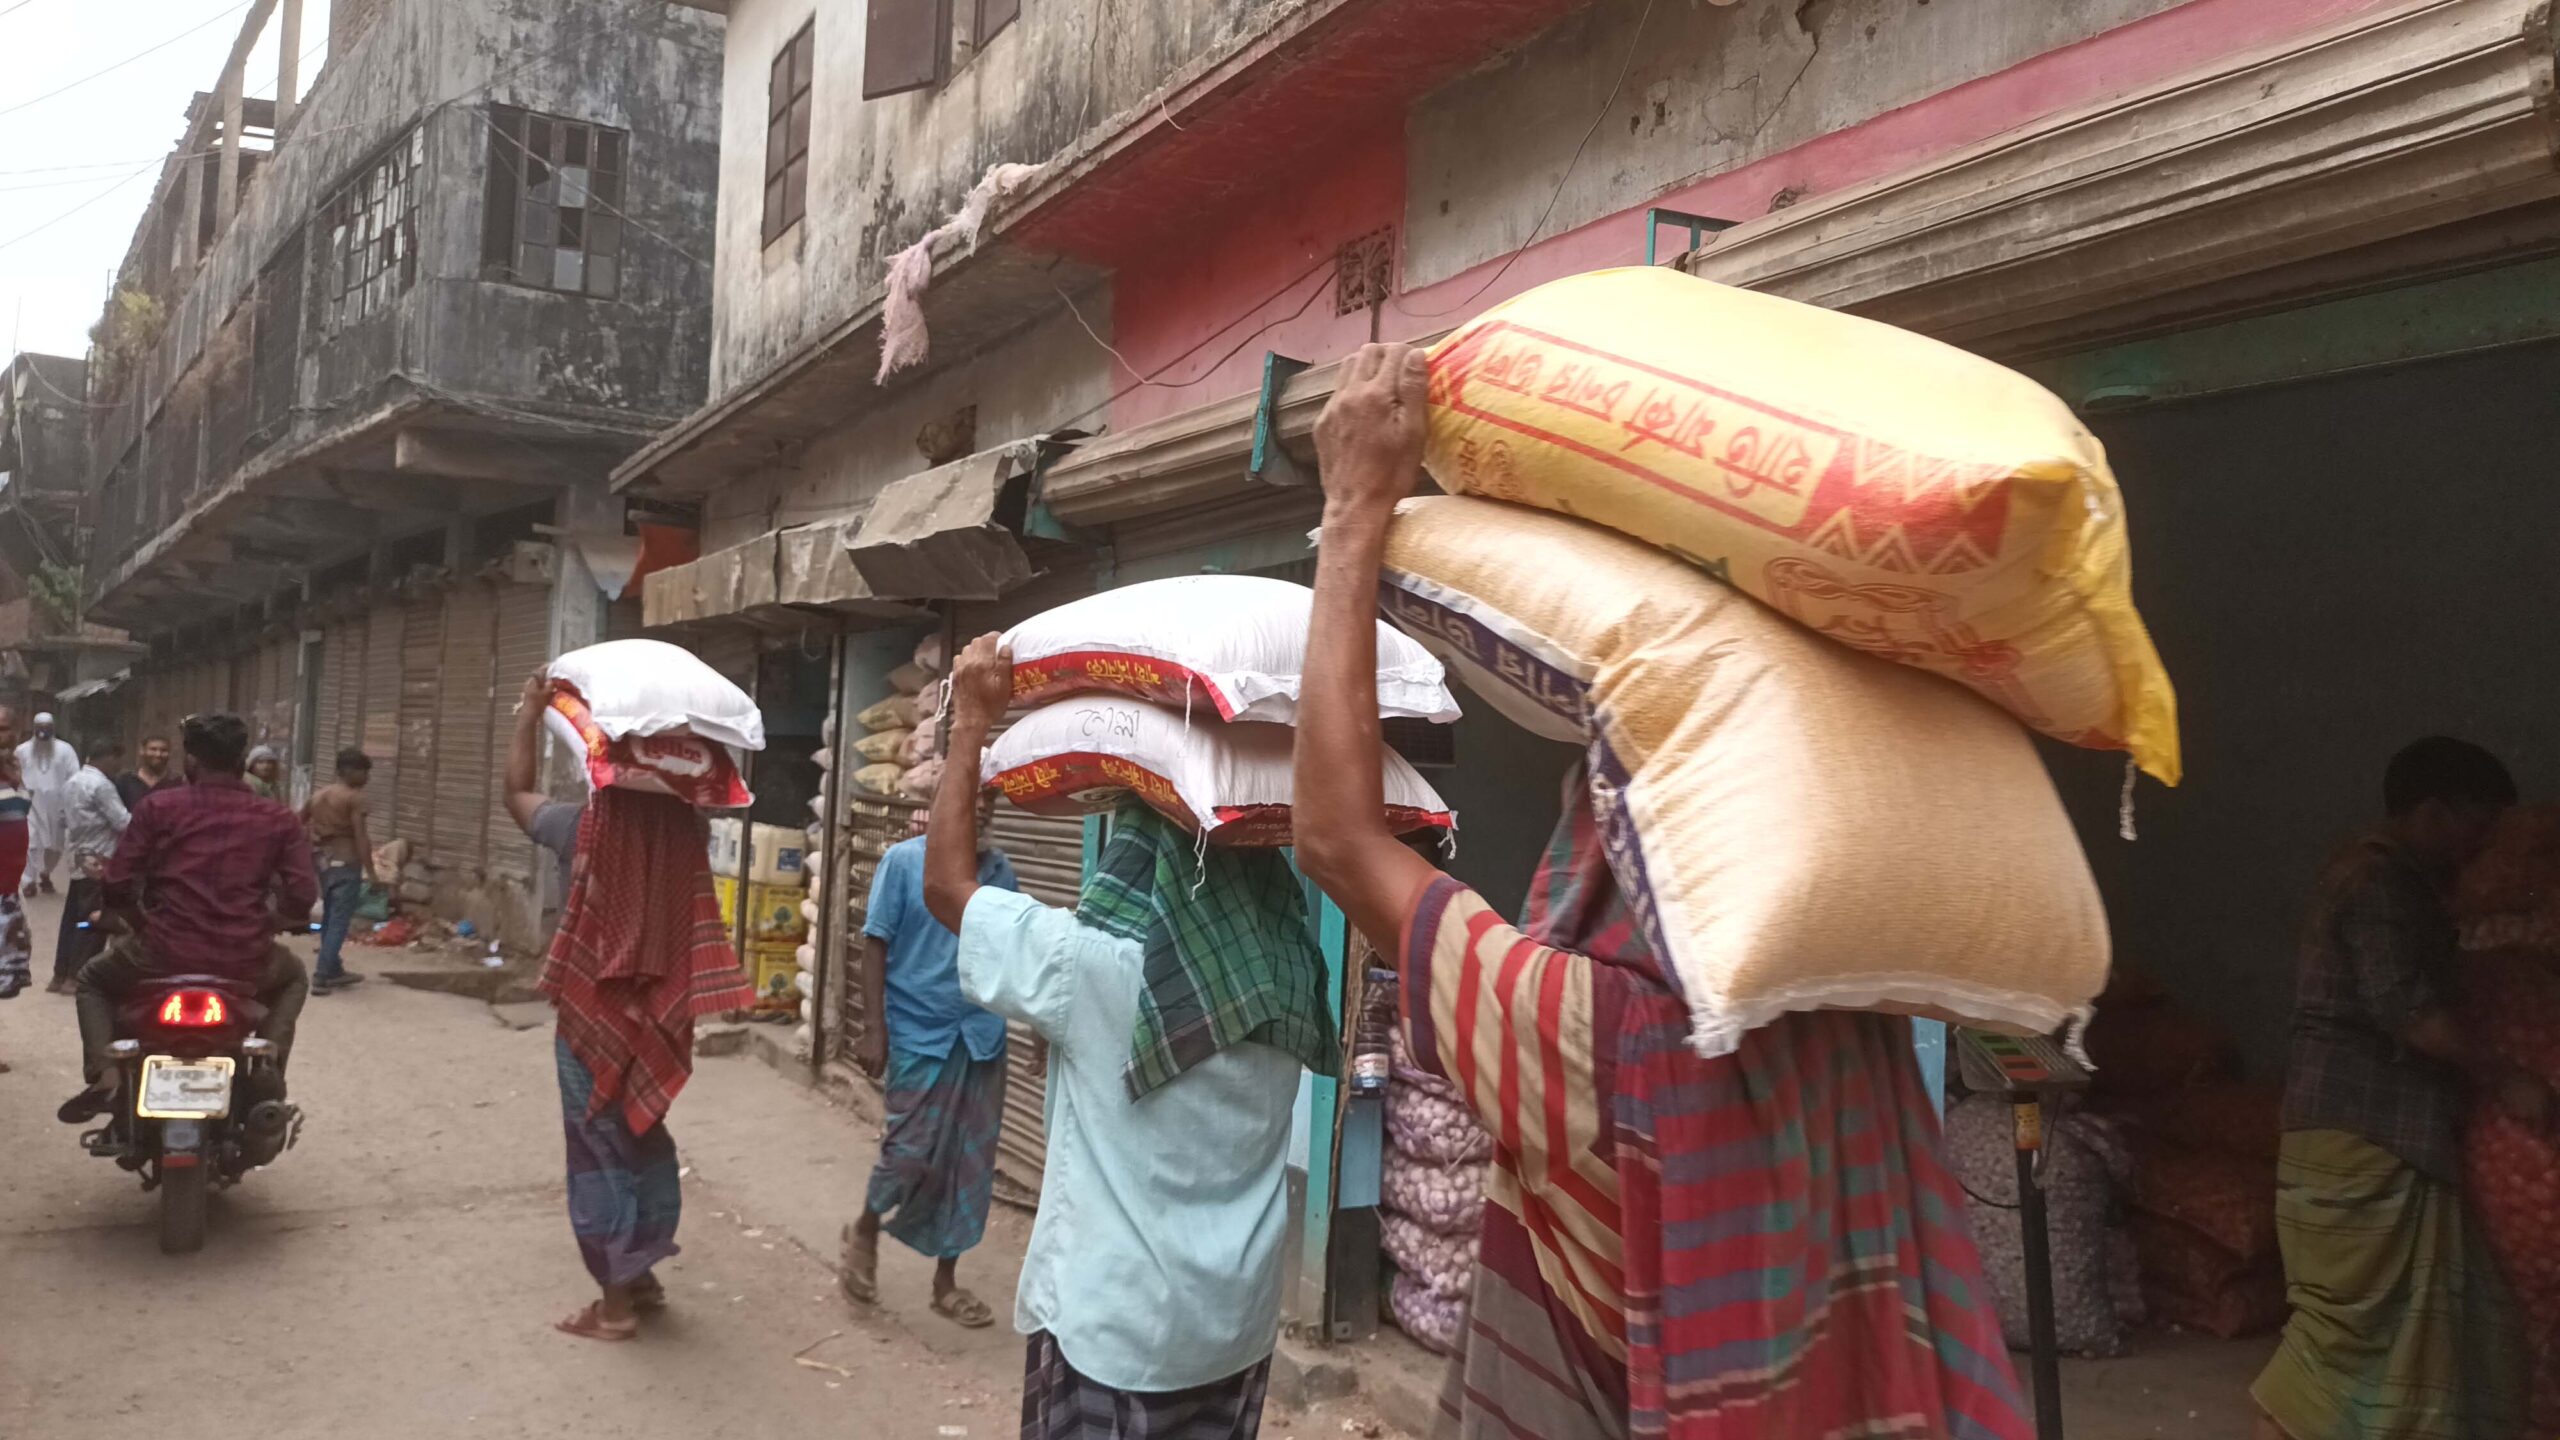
(1229, 954)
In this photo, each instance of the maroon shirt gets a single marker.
(216, 866)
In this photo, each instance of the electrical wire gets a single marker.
(129, 59)
(137, 173)
(1626, 67)
(14, 9)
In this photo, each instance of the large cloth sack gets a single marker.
(1229, 644)
(649, 687)
(1894, 493)
(667, 762)
(1796, 826)
(1087, 754)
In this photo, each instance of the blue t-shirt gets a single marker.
(922, 996)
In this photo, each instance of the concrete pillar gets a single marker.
(226, 186)
(288, 66)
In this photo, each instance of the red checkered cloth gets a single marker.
(641, 952)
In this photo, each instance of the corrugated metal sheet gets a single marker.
(421, 664)
(1048, 858)
(347, 642)
(377, 717)
(329, 714)
(460, 834)
(524, 643)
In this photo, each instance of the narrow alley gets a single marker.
(396, 1274)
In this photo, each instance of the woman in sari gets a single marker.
(1765, 1244)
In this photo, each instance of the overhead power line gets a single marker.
(129, 59)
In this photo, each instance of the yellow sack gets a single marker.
(1894, 493)
(1795, 826)
(882, 746)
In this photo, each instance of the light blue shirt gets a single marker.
(920, 995)
(1155, 1260)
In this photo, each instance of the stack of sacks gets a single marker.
(646, 715)
(899, 729)
(1700, 505)
(779, 912)
(1180, 693)
(1432, 1190)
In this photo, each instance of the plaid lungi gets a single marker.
(17, 946)
(937, 1167)
(625, 1196)
(1059, 1404)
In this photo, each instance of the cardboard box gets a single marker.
(775, 964)
(773, 913)
(727, 891)
(781, 856)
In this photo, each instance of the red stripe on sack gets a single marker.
(1144, 676)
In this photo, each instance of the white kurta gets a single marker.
(47, 766)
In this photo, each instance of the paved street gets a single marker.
(396, 1274)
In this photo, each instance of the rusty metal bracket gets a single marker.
(1698, 226)
(1272, 464)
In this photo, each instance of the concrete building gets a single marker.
(367, 365)
(50, 653)
(2290, 258)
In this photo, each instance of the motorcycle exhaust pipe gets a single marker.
(265, 1131)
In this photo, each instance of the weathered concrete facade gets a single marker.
(346, 414)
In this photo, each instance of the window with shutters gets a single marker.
(786, 132)
(906, 45)
(554, 214)
(986, 17)
(368, 235)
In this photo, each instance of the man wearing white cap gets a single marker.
(47, 765)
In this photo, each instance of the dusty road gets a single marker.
(396, 1274)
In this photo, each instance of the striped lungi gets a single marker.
(1059, 1404)
(2401, 1328)
(937, 1168)
(625, 1196)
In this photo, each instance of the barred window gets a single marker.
(554, 217)
(786, 131)
(369, 235)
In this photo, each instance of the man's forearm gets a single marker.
(951, 832)
(1340, 790)
(524, 752)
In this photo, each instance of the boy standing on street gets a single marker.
(343, 847)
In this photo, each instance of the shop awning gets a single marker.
(2194, 197)
(1200, 456)
(92, 689)
(950, 533)
(779, 579)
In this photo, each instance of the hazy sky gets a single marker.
(77, 168)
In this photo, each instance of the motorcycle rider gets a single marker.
(206, 876)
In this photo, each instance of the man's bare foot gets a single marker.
(594, 1321)
(858, 1267)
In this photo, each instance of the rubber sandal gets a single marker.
(963, 1309)
(589, 1324)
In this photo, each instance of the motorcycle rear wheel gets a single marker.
(182, 1207)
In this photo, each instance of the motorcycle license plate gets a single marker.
(175, 1089)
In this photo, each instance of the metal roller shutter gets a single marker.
(461, 829)
(377, 714)
(347, 670)
(1048, 859)
(329, 714)
(524, 643)
(421, 664)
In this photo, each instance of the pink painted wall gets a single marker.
(1231, 287)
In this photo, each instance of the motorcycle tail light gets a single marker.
(195, 1010)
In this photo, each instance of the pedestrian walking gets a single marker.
(1180, 1000)
(266, 774)
(45, 766)
(1764, 1244)
(94, 819)
(17, 946)
(639, 955)
(342, 846)
(156, 771)
(942, 1063)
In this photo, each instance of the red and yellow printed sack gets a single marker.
(1892, 492)
(676, 762)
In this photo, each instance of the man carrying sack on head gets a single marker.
(1180, 1000)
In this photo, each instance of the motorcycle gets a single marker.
(200, 1101)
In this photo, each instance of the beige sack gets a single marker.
(883, 746)
(1797, 826)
